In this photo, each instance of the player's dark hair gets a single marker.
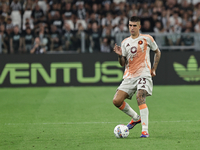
(134, 19)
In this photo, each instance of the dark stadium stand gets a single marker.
(70, 26)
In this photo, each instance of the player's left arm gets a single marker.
(156, 61)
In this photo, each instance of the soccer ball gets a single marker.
(121, 131)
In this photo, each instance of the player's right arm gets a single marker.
(117, 49)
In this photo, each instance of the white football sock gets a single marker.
(144, 113)
(129, 111)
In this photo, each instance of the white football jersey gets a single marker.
(137, 54)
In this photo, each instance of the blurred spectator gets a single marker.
(170, 4)
(197, 27)
(175, 19)
(154, 19)
(164, 19)
(95, 38)
(96, 11)
(5, 11)
(81, 12)
(16, 18)
(77, 39)
(159, 29)
(158, 7)
(121, 28)
(120, 8)
(133, 11)
(3, 46)
(108, 21)
(37, 15)
(121, 18)
(43, 5)
(42, 29)
(186, 8)
(146, 27)
(144, 10)
(187, 39)
(9, 30)
(74, 8)
(28, 24)
(189, 25)
(37, 49)
(196, 15)
(28, 40)
(16, 6)
(57, 21)
(27, 14)
(16, 41)
(4, 2)
(28, 3)
(54, 9)
(185, 19)
(80, 21)
(3, 20)
(66, 11)
(55, 37)
(174, 37)
(69, 20)
(106, 8)
(43, 33)
(108, 32)
(105, 45)
(93, 18)
(67, 36)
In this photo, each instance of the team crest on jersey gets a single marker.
(140, 42)
(133, 49)
(127, 45)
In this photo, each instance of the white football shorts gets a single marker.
(131, 85)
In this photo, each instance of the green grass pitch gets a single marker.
(83, 118)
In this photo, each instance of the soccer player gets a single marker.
(134, 55)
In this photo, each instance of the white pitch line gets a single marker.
(71, 123)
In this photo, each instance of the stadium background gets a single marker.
(85, 32)
(62, 99)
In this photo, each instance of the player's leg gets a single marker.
(119, 98)
(144, 112)
(119, 102)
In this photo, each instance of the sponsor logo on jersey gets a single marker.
(133, 49)
(127, 45)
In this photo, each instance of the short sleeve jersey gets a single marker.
(137, 54)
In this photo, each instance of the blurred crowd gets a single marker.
(60, 25)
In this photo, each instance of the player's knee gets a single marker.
(117, 103)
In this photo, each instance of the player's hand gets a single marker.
(117, 49)
(153, 72)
